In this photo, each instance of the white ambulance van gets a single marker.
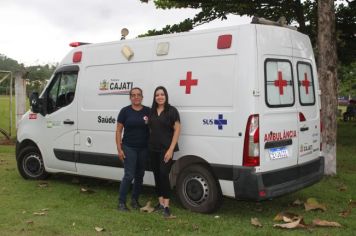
(248, 97)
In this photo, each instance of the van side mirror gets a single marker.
(36, 103)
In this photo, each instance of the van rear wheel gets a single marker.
(198, 190)
(30, 164)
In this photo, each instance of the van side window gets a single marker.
(279, 88)
(305, 84)
(61, 91)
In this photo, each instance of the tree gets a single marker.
(37, 75)
(347, 80)
(301, 13)
(327, 69)
(319, 19)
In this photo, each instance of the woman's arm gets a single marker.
(119, 128)
(169, 153)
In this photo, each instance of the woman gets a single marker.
(164, 123)
(132, 149)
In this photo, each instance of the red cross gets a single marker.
(306, 83)
(280, 82)
(189, 82)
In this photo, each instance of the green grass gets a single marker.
(5, 115)
(71, 212)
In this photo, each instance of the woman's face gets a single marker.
(136, 97)
(160, 97)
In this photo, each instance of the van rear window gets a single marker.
(305, 84)
(279, 88)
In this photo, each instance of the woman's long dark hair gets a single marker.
(154, 103)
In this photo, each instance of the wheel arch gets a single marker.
(187, 160)
(25, 143)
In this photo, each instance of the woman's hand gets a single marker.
(121, 155)
(168, 156)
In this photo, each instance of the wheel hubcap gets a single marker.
(33, 165)
(196, 189)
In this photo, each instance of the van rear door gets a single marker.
(278, 122)
(309, 120)
(277, 107)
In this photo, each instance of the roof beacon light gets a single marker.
(77, 44)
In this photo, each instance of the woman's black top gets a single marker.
(162, 129)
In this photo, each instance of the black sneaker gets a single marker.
(158, 207)
(123, 207)
(166, 213)
(135, 204)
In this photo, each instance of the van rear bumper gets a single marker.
(259, 186)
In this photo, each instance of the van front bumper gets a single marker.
(259, 186)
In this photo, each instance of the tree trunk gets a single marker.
(327, 69)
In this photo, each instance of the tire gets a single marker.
(198, 190)
(30, 164)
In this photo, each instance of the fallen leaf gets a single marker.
(73, 224)
(256, 222)
(43, 184)
(29, 222)
(40, 213)
(171, 217)
(352, 203)
(216, 217)
(147, 208)
(291, 225)
(289, 215)
(324, 223)
(345, 213)
(84, 190)
(297, 202)
(195, 227)
(99, 229)
(313, 204)
(343, 188)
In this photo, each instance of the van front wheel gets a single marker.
(198, 190)
(30, 164)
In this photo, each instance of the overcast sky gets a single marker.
(39, 31)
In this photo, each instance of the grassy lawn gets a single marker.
(5, 115)
(70, 212)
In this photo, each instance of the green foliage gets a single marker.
(347, 80)
(186, 25)
(297, 12)
(36, 75)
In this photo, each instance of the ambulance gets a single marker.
(248, 98)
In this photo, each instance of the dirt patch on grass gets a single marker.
(7, 142)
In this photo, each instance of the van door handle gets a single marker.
(304, 129)
(68, 122)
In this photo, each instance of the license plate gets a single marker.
(278, 153)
